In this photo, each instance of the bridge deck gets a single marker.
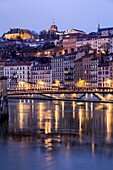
(21, 92)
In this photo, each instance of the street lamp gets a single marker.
(40, 84)
(56, 84)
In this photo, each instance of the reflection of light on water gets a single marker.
(48, 142)
(63, 109)
(107, 108)
(68, 146)
(109, 122)
(33, 106)
(91, 110)
(48, 123)
(21, 109)
(74, 105)
(101, 106)
(93, 148)
(80, 124)
(80, 120)
(87, 111)
(56, 116)
(48, 127)
(86, 95)
(41, 113)
(91, 95)
(41, 107)
(44, 118)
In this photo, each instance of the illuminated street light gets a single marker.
(41, 84)
(108, 83)
(23, 85)
(81, 83)
(56, 84)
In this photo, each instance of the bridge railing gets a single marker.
(59, 91)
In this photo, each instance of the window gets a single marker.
(99, 72)
(106, 72)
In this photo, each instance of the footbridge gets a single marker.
(86, 95)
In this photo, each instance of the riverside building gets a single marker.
(18, 75)
(41, 76)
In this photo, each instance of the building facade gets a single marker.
(94, 72)
(86, 68)
(18, 75)
(57, 66)
(69, 71)
(41, 77)
(103, 75)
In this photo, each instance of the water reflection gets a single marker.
(57, 135)
(92, 121)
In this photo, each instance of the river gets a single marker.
(56, 135)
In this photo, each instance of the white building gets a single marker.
(87, 40)
(105, 31)
(73, 31)
(18, 74)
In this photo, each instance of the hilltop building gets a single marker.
(53, 27)
(17, 34)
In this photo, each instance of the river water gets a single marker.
(56, 135)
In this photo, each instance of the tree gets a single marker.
(105, 48)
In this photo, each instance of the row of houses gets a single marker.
(68, 42)
(83, 70)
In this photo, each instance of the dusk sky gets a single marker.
(37, 15)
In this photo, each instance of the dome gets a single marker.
(53, 28)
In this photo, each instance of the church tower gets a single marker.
(53, 27)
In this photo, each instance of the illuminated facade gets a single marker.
(86, 68)
(94, 71)
(78, 70)
(69, 74)
(53, 28)
(42, 76)
(57, 65)
(16, 34)
(69, 44)
(87, 39)
(2, 63)
(104, 75)
(18, 74)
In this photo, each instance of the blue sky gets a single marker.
(38, 14)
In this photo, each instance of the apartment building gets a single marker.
(103, 75)
(69, 44)
(57, 67)
(94, 71)
(18, 74)
(69, 71)
(78, 71)
(86, 68)
(85, 40)
(41, 76)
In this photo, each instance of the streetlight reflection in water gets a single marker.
(62, 116)
(63, 133)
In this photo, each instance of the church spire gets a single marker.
(53, 23)
(98, 26)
